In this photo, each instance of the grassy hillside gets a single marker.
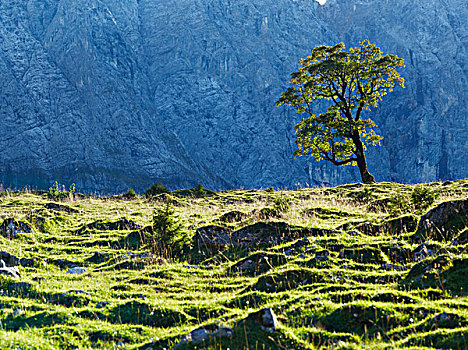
(362, 279)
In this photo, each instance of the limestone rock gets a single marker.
(266, 318)
(212, 237)
(9, 271)
(76, 271)
(10, 228)
(443, 222)
(206, 333)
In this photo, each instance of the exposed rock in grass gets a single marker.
(441, 272)
(12, 272)
(265, 318)
(259, 263)
(9, 259)
(233, 216)
(10, 228)
(60, 208)
(206, 333)
(212, 237)
(272, 233)
(397, 226)
(260, 234)
(76, 271)
(424, 251)
(393, 267)
(443, 222)
(365, 255)
(122, 224)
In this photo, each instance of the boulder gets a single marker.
(205, 333)
(233, 216)
(11, 228)
(9, 259)
(76, 271)
(443, 222)
(9, 271)
(122, 224)
(396, 226)
(268, 234)
(212, 237)
(266, 318)
(60, 208)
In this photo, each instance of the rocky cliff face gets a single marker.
(125, 93)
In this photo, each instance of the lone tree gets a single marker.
(353, 82)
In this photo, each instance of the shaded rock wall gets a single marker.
(125, 93)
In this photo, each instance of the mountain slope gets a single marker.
(111, 94)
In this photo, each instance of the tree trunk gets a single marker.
(366, 177)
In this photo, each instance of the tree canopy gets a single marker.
(352, 82)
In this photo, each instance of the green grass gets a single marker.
(329, 293)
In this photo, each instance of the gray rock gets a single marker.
(443, 222)
(9, 271)
(441, 317)
(223, 332)
(102, 304)
(393, 267)
(10, 228)
(76, 291)
(212, 237)
(9, 259)
(76, 271)
(266, 318)
(28, 262)
(202, 334)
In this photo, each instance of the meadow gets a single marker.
(348, 267)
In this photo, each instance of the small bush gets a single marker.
(399, 203)
(197, 192)
(55, 194)
(167, 231)
(53, 190)
(130, 194)
(156, 189)
(423, 197)
(282, 204)
(366, 195)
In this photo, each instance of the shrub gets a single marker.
(198, 192)
(55, 194)
(423, 197)
(53, 190)
(130, 194)
(282, 204)
(156, 189)
(398, 203)
(366, 195)
(167, 231)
